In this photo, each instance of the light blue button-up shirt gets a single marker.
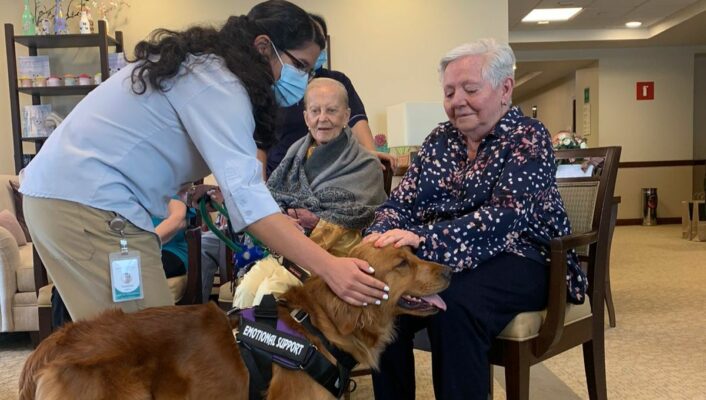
(129, 153)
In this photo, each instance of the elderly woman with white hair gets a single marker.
(481, 197)
(327, 182)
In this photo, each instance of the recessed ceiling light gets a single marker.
(633, 24)
(551, 14)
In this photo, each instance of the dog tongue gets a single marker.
(435, 300)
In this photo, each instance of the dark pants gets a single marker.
(480, 303)
(173, 266)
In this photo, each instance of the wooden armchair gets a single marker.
(186, 289)
(536, 336)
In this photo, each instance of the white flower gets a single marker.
(583, 145)
(566, 141)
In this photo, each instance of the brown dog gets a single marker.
(188, 352)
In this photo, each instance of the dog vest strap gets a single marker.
(333, 377)
(343, 358)
(260, 370)
(266, 311)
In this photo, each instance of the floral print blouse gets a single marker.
(468, 211)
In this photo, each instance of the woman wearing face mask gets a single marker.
(192, 103)
(290, 125)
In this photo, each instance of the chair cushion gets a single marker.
(25, 271)
(177, 285)
(44, 298)
(9, 222)
(225, 295)
(526, 325)
(25, 299)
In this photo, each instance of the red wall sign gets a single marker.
(645, 90)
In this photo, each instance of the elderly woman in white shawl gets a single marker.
(327, 183)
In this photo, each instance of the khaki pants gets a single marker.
(74, 240)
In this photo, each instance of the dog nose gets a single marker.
(446, 272)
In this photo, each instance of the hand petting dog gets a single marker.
(397, 237)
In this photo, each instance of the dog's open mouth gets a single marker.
(423, 304)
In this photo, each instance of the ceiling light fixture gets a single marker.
(542, 22)
(551, 14)
(633, 24)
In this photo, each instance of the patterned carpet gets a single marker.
(657, 351)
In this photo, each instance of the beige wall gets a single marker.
(673, 185)
(389, 49)
(647, 130)
(700, 107)
(554, 105)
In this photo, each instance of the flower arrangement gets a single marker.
(380, 141)
(568, 140)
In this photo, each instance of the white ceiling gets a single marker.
(597, 14)
(601, 24)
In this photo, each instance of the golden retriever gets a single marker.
(188, 352)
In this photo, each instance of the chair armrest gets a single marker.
(553, 324)
(9, 263)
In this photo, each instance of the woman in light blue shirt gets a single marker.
(192, 102)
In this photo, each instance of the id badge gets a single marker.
(126, 276)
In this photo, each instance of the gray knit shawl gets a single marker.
(341, 182)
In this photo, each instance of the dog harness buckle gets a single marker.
(298, 315)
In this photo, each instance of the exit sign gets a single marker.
(645, 90)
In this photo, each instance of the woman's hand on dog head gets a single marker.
(350, 279)
(396, 237)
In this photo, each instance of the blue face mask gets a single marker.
(323, 57)
(291, 85)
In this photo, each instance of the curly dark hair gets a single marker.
(289, 27)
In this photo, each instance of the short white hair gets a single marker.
(322, 82)
(499, 59)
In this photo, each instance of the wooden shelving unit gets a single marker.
(34, 43)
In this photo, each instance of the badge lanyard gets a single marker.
(125, 267)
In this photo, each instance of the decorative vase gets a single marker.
(44, 27)
(28, 24)
(60, 26)
(84, 25)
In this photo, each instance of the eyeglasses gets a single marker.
(298, 64)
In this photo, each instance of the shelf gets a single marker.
(59, 41)
(35, 139)
(58, 90)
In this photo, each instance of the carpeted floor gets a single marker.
(657, 351)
